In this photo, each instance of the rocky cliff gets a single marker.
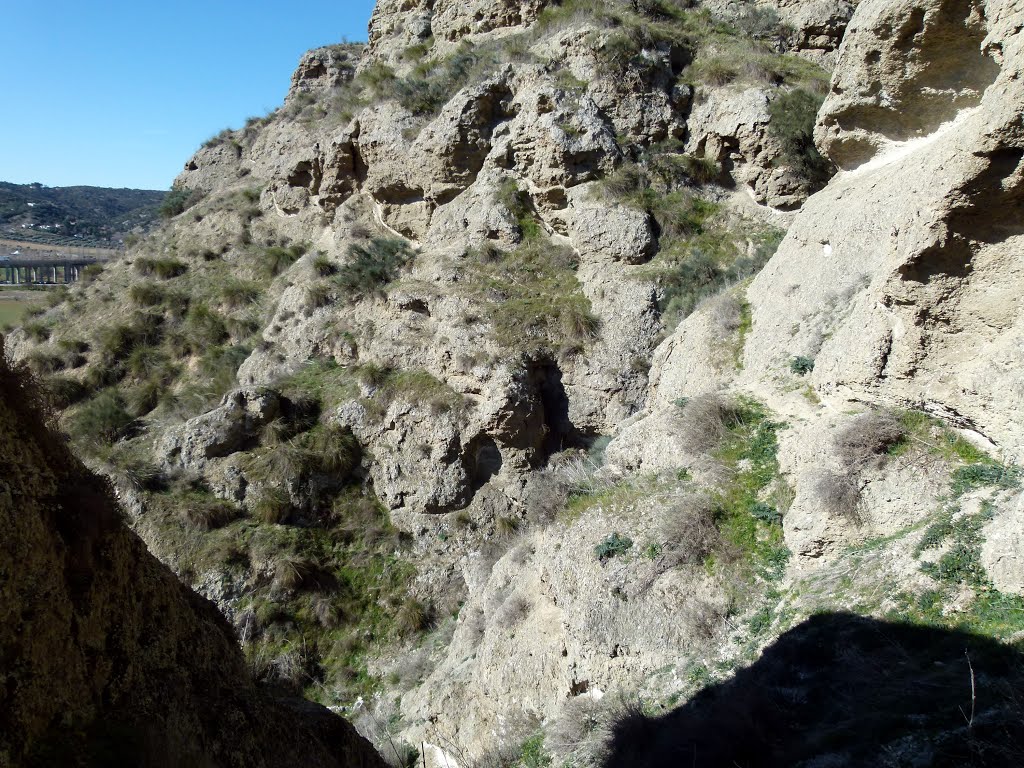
(537, 362)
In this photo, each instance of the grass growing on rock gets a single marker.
(747, 512)
(701, 252)
(318, 596)
(531, 297)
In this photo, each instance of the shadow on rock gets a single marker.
(843, 690)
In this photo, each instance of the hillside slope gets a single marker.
(108, 659)
(95, 213)
(533, 366)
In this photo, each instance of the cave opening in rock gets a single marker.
(559, 431)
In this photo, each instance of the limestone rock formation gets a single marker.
(895, 277)
(573, 432)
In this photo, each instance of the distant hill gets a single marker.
(97, 213)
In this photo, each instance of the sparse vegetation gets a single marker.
(177, 201)
(793, 114)
(164, 268)
(615, 544)
(277, 259)
(532, 297)
(371, 266)
(801, 365)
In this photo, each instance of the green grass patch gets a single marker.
(748, 520)
(371, 266)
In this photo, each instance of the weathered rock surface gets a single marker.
(230, 428)
(896, 277)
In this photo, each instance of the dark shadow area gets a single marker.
(843, 690)
(483, 460)
(560, 433)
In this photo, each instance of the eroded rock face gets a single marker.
(908, 68)
(395, 25)
(897, 277)
(322, 69)
(104, 651)
(230, 428)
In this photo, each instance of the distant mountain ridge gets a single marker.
(94, 212)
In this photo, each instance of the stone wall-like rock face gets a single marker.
(898, 278)
(106, 656)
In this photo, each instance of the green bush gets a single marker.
(177, 201)
(103, 419)
(792, 123)
(115, 343)
(801, 365)
(372, 265)
(612, 546)
(219, 365)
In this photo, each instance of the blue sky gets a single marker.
(120, 94)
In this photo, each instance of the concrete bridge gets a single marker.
(29, 270)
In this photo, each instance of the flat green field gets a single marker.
(13, 306)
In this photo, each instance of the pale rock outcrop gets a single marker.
(898, 276)
(323, 69)
(909, 67)
(397, 25)
(551, 622)
(1002, 548)
(608, 230)
(456, 20)
(227, 429)
(730, 127)
(818, 25)
(886, 496)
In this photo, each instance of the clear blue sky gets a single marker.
(120, 94)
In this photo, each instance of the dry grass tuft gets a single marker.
(705, 421)
(689, 530)
(866, 440)
(839, 493)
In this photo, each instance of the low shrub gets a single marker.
(371, 266)
(273, 506)
(64, 391)
(792, 123)
(177, 201)
(103, 419)
(614, 545)
(705, 420)
(146, 294)
(868, 438)
(204, 328)
(412, 617)
(37, 331)
(207, 514)
(239, 293)
(801, 365)
(839, 493)
(276, 259)
(689, 530)
(164, 268)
